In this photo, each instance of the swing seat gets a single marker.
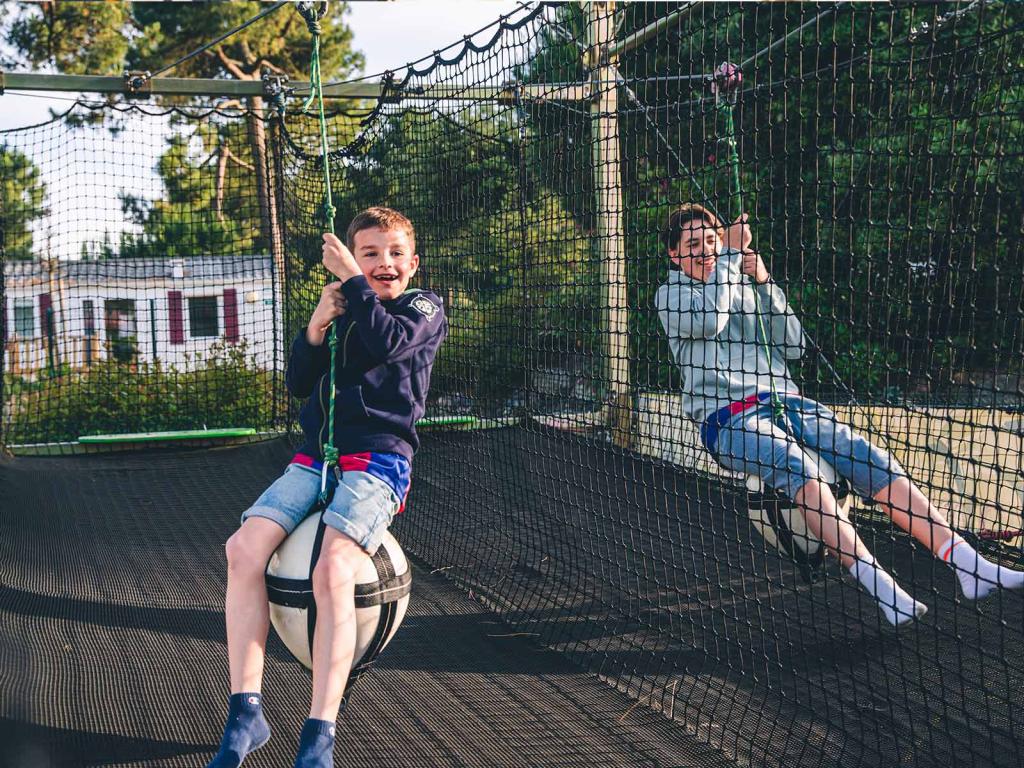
(780, 521)
(383, 584)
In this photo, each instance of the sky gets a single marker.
(83, 180)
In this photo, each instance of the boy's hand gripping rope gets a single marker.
(725, 85)
(313, 13)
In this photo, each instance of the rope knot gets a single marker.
(330, 454)
(328, 212)
(312, 13)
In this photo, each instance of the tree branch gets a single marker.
(272, 67)
(287, 28)
(250, 57)
(232, 66)
(50, 20)
(239, 161)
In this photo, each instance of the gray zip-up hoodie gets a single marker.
(713, 331)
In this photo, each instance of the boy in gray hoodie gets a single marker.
(732, 332)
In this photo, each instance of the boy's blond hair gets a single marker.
(682, 216)
(379, 217)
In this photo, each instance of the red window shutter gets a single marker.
(231, 314)
(176, 316)
(45, 303)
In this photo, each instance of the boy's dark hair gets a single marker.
(378, 217)
(680, 219)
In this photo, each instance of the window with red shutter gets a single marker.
(231, 315)
(176, 317)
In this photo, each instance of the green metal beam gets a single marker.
(182, 86)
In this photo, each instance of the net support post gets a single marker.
(609, 210)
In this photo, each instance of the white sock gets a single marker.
(896, 605)
(978, 577)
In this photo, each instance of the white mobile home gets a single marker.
(74, 313)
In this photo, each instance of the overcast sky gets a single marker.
(388, 33)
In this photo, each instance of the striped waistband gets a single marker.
(718, 419)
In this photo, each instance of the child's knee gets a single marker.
(335, 571)
(247, 552)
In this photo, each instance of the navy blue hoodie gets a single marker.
(384, 357)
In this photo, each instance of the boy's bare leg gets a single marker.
(246, 609)
(334, 643)
(247, 616)
(830, 524)
(911, 510)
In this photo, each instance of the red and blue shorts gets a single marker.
(368, 492)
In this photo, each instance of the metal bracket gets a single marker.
(138, 84)
(277, 89)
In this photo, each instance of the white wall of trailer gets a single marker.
(86, 328)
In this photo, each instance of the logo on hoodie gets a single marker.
(425, 307)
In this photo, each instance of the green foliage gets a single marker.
(877, 169)
(226, 388)
(76, 38)
(881, 178)
(280, 41)
(511, 262)
(99, 38)
(22, 201)
(208, 207)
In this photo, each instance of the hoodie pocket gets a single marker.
(350, 405)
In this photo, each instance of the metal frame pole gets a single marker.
(132, 85)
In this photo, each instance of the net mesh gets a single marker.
(879, 160)
(140, 292)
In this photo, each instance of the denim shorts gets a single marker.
(752, 442)
(362, 506)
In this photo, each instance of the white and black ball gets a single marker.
(383, 585)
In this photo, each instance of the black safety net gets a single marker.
(563, 482)
(139, 284)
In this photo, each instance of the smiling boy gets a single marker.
(732, 332)
(387, 340)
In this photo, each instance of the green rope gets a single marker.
(312, 15)
(725, 107)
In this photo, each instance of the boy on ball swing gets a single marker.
(753, 420)
(387, 340)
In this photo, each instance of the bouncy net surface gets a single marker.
(560, 480)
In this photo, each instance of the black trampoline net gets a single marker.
(563, 478)
(140, 293)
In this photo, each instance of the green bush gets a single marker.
(224, 388)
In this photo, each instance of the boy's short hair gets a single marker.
(378, 217)
(682, 216)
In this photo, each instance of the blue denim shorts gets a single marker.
(753, 443)
(362, 507)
